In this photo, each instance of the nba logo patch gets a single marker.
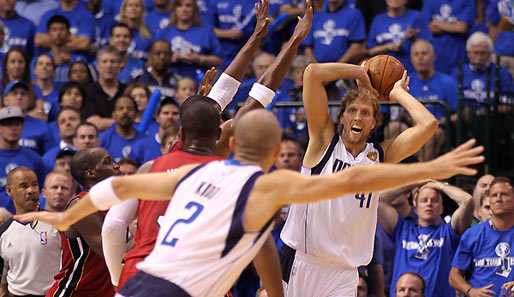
(43, 238)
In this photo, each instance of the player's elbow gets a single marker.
(313, 72)
(113, 231)
(430, 124)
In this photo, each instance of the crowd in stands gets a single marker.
(78, 74)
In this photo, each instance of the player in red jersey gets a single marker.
(84, 273)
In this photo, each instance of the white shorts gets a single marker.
(311, 276)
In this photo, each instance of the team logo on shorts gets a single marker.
(43, 238)
(372, 156)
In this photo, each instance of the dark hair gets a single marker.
(167, 101)
(128, 160)
(199, 117)
(26, 77)
(65, 108)
(120, 25)
(501, 179)
(88, 124)
(89, 75)
(197, 21)
(13, 172)
(68, 86)
(127, 97)
(417, 276)
(58, 19)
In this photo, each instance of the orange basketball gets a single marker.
(384, 71)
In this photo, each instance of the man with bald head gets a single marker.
(221, 212)
(58, 190)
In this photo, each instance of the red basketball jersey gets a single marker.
(83, 273)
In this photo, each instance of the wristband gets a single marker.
(224, 90)
(102, 195)
(262, 94)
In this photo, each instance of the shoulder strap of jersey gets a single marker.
(316, 170)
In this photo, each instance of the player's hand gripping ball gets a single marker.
(384, 71)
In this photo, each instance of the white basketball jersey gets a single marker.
(202, 245)
(340, 230)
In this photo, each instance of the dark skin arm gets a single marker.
(267, 264)
(90, 229)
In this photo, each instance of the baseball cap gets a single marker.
(13, 84)
(65, 151)
(11, 112)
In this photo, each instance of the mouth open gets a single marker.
(356, 129)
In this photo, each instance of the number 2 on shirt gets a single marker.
(197, 210)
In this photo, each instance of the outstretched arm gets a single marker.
(267, 264)
(462, 217)
(113, 191)
(411, 140)
(276, 72)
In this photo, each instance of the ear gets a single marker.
(276, 152)
(232, 144)
(9, 190)
(181, 135)
(219, 134)
(90, 173)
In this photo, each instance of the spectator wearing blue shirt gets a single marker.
(36, 135)
(132, 14)
(44, 71)
(483, 262)
(195, 47)
(119, 139)
(67, 122)
(449, 21)
(11, 154)
(34, 9)
(86, 136)
(121, 39)
(427, 83)
(231, 17)
(113, 7)
(337, 34)
(207, 10)
(81, 26)
(479, 48)
(499, 18)
(159, 18)
(427, 246)
(103, 23)
(393, 32)
(149, 147)
(18, 31)
(158, 74)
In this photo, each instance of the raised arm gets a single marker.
(269, 193)
(387, 216)
(320, 125)
(411, 140)
(462, 217)
(113, 191)
(275, 73)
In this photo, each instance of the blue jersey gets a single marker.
(103, 24)
(332, 33)
(449, 48)
(498, 9)
(19, 32)
(197, 39)
(427, 251)
(139, 46)
(157, 21)
(230, 14)
(36, 135)
(81, 20)
(118, 146)
(385, 29)
(10, 159)
(440, 86)
(55, 131)
(474, 83)
(486, 254)
(146, 149)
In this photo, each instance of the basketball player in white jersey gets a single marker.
(325, 242)
(221, 212)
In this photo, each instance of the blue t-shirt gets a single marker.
(51, 105)
(134, 67)
(34, 10)
(197, 39)
(10, 159)
(385, 29)
(440, 86)
(475, 83)
(157, 21)
(19, 32)
(207, 9)
(139, 46)
(229, 14)
(62, 71)
(118, 146)
(504, 43)
(332, 33)
(146, 149)
(36, 135)
(81, 20)
(486, 254)
(427, 251)
(102, 27)
(449, 48)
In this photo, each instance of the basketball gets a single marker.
(384, 71)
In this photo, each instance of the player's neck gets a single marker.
(7, 14)
(199, 148)
(354, 148)
(8, 145)
(503, 222)
(251, 159)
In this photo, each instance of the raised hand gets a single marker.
(456, 161)
(363, 81)
(304, 24)
(206, 84)
(54, 218)
(263, 21)
(401, 85)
